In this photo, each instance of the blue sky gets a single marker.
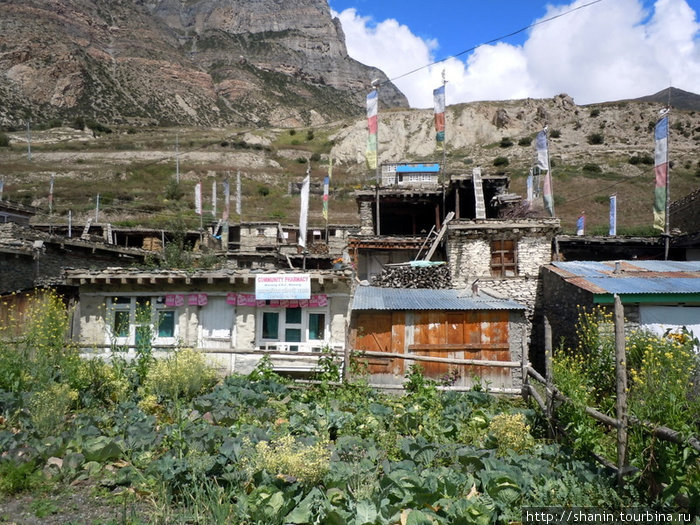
(610, 50)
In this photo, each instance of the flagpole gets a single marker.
(444, 145)
(667, 225)
(378, 169)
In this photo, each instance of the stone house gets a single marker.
(656, 295)
(233, 316)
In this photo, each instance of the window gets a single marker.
(287, 326)
(166, 323)
(140, 320)
(504, 260)
(317, 326)
(270, 325)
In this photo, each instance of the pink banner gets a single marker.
(248, 299)
(174, 300)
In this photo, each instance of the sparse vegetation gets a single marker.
(501, 161)
(595, 139)
(506, 142)
(4, 140)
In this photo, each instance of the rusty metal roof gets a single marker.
(375, 298)
(633, 277)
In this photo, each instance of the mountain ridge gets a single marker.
(167, 62)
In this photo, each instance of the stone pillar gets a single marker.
(366, 220)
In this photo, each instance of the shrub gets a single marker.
(592, 168)
(48, 407)
(555, 134)
(4, 140)
(183, 375)
(292, 132)
(595, 112)
(263, 191)
(287, 458)
(506, 142)
(501, 161)
(310, 135)
(595, 138)
(173, 191)
(525, 141)
(315, 157)
(511, 432)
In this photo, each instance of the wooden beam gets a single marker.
(461, 346)
(476, 362)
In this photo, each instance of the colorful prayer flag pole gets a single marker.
(326, 187)
(2, 187)
(581, 224)
(661, 174)
(439, 103)
(372, 126)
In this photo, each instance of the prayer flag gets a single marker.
(304, 209)
(660, 172)
(2, 187)
(613, 215)
(227, 197)
(372, 126)
(543, 165)
(198, 198)
(238, 192)
(51, 192)
(530, 189)
(581, 224)
(439, 103)
(213, 199)
(326, 187)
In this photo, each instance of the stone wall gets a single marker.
(366, 218)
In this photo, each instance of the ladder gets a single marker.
(440, 235)
(480, 207)
(432, 235)
(85, 235)
(108, 233)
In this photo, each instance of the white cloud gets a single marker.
(608, 51)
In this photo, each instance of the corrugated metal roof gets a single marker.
(636, 277)
(374, 298)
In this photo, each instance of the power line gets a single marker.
(497, 39)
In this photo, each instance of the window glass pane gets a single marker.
(292, 335)
(121, 300)
(121, 323)
(143, 335)
(166, 323)
(270, 322)
(317, 325)
(293, 315)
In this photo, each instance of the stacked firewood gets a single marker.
(406, 276)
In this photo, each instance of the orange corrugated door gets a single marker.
(374, 333)
(455, 336)
(494, 333)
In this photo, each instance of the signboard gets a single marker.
(283, 286)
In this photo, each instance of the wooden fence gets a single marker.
(622, 419)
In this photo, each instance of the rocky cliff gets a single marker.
(203, 62)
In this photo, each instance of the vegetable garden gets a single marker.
(168, 442)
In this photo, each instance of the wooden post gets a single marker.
(621, 384)
(548, 374)
(525, 358)
(346, 354)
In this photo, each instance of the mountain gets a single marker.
(679, 99)
(206, 62)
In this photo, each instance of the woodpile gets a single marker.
(408, 276)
